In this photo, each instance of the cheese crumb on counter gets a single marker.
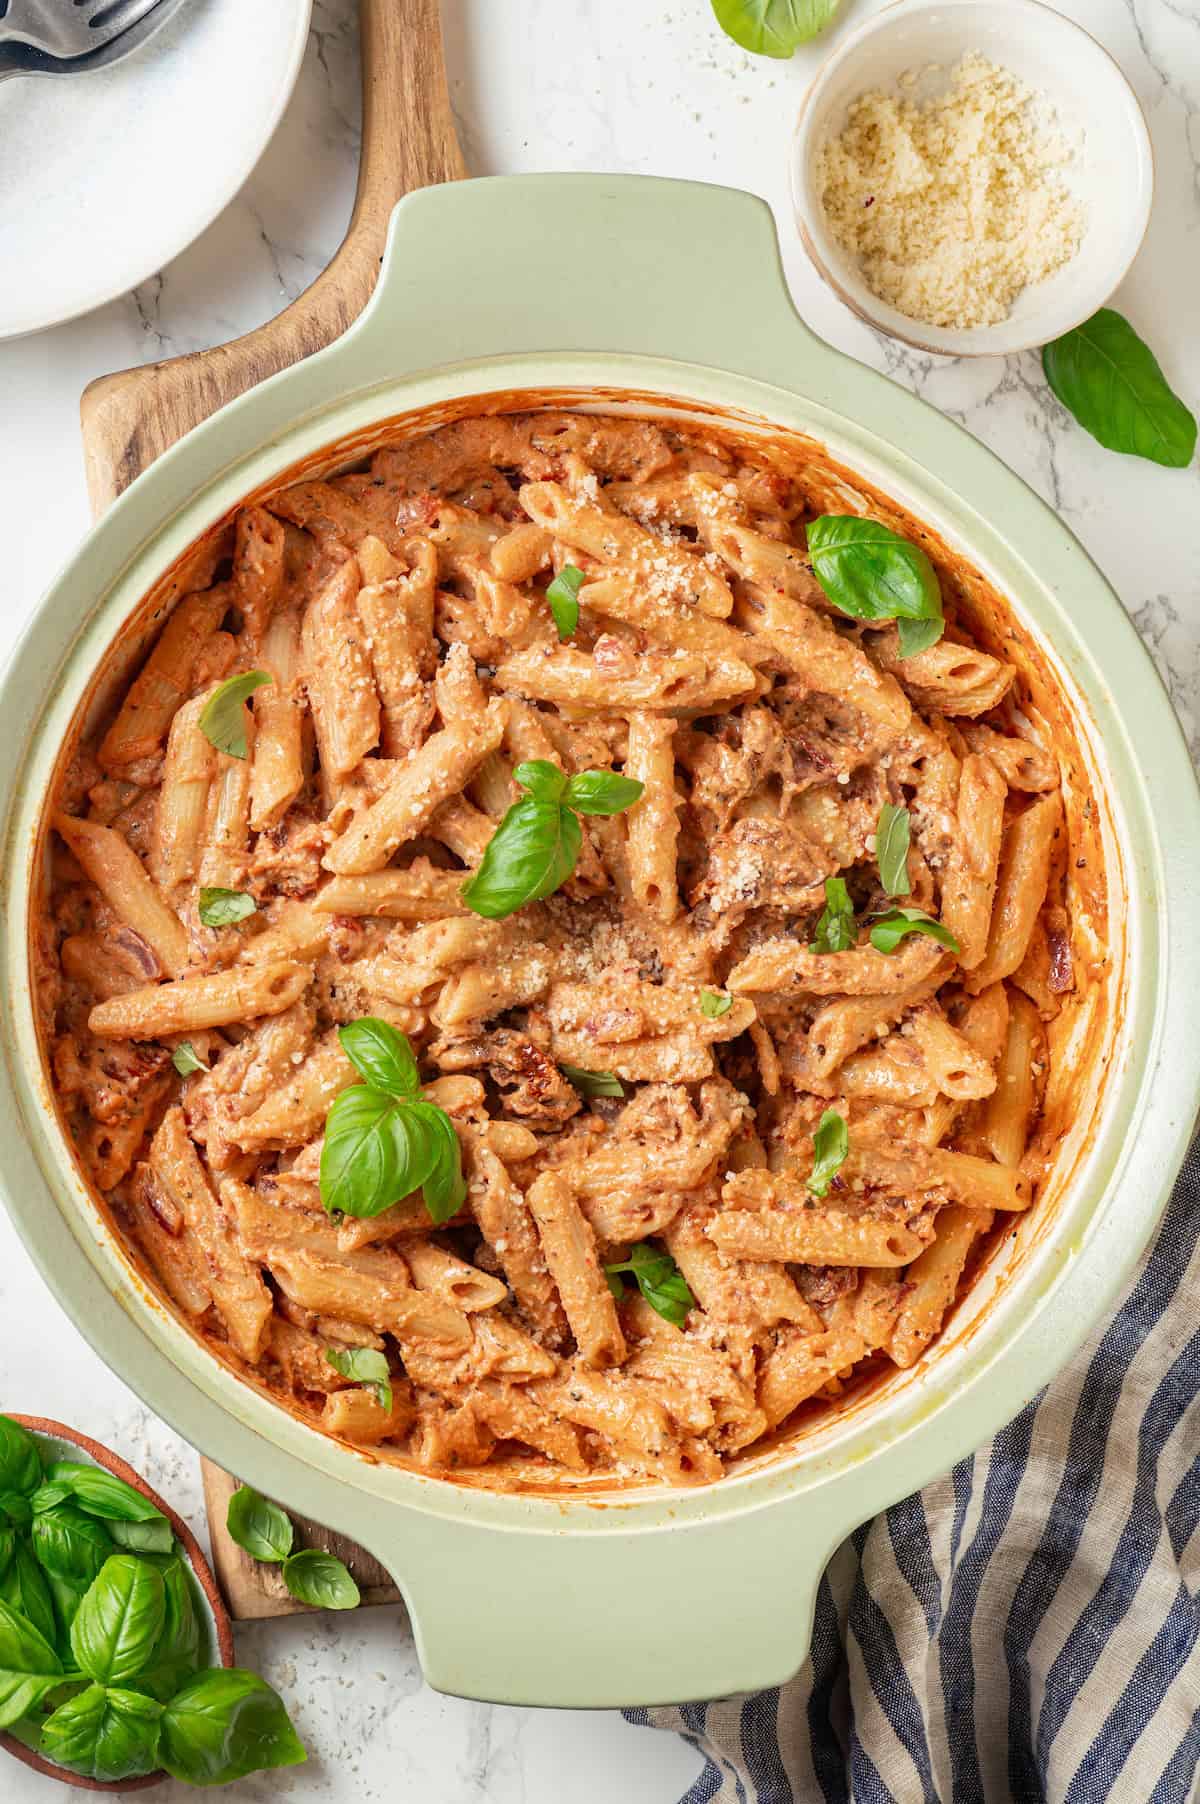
(952, 206)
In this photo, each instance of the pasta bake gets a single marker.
(553, 962)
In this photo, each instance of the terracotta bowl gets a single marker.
(221, 1625)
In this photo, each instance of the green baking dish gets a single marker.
(565, 285)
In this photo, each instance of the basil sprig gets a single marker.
(265, 1532)
(383, 1140)
(115, 1639)
(658, 1278)
(593, 1083)
(835, 930)
(365, 1366)
(186, 1059)
(773, 27)
(536, 846)
(892, 840)
(713, 1004)
(563, 596)
(224, 1724)
(891, 928)
(871, 573)
(258, 1526)
(225, 907)
(831, 1143)
(221, 719)
(1109, 378)
(106, 1733)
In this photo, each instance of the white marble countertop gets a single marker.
(543, 84)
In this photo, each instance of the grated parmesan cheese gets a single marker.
(952, 206)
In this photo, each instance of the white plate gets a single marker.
(109, 175)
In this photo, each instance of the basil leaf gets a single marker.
(592, 1083)
(381, 1055)
(186, 1059)
(891, 928)
(380, 1148)
(258, 1525)
(892, 839)
(918, 635)
(603, 792)
(831, 1143)
(102, 1493)
(179, 1650)
(8, 1547)
(773, 27)
(563, 596)
(365, 1366)
(221, 720)
(119, 1620)
(1109, 378)
(70, 1546)
(20, 1467)
(24, 1589)
(225, 907)
(22, 1693)
(531, 854)
(869, 572)
(658, 1278)
(835, 930)
(152, 1536)
(29, 1666)
(225, 1724)
(320, 1579)
(444, 1189)
(541, 779)
(66, 1599)
(16, 1508)
(48, 1497)
(713, 1005)
(361, 1173)
(104, 1734)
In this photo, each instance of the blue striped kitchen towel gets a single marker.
(1025, 1628)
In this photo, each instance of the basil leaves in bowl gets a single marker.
(116, 1652)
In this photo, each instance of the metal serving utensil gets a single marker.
(142, 18)
(72, 28)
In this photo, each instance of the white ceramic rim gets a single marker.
(189, 224)
(1086, 1217)
(1001, 339)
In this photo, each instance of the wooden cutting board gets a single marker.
(130, 418)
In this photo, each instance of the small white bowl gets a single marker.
(1112, 172)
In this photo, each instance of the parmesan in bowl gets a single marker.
(972, 177)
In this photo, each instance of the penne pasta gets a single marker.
(749, 1010)
(121, 878)
(570, 1249)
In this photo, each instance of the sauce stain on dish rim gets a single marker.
(1009, 1248)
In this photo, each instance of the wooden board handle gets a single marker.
(408, 141)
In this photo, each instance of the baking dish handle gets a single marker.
(623, 264)
(588, 1616)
